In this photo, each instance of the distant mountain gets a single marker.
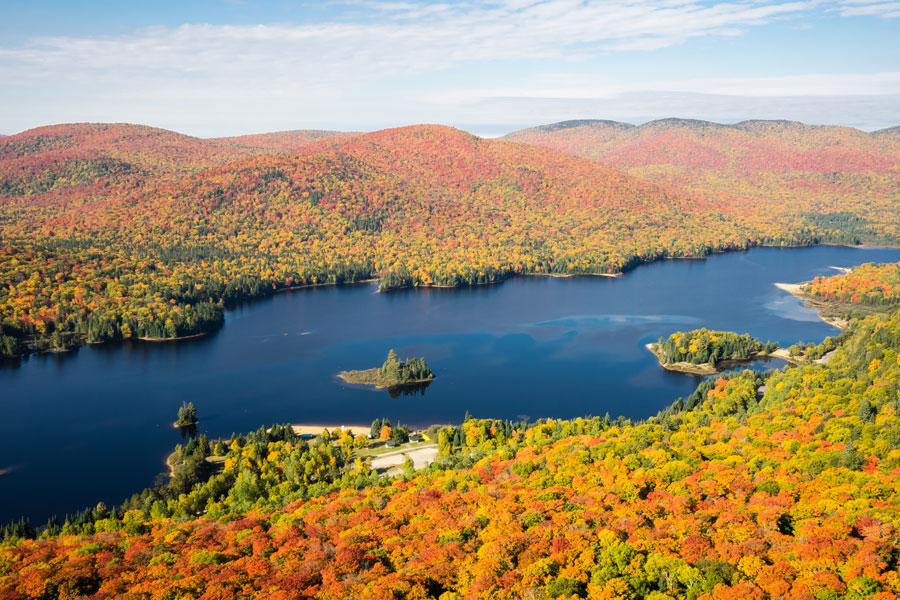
(285, 140)
(591, 123)
(892, 133)
(134, 143)
(55, 156)
(770, 171)
(748, 142)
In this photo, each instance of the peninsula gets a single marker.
(704, 352)
(393, 373)
(837, 307)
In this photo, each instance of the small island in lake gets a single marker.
(393, 373)
(187, 415)
(703, 352)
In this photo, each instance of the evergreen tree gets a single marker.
(391, 366)
(187, 415)
(866, 413)
(457, 437)
(412, 369)
(400, 435)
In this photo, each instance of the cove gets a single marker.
(95, 424)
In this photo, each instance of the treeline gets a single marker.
(405, 371)
(702, 346)
(189, 320)
(382, 429)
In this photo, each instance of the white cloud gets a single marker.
(412, 38)
(366, 68)
(578, 86)
(855, 8)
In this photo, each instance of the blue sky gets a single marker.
(224, 67)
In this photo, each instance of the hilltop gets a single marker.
(45, 158)
(838, 183)
(284, 140)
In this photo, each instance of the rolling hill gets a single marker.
(284, 140)
(839, 181)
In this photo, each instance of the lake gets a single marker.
(95, 424)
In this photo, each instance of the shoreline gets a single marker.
(838, 323)
(682, 367)
(706, 369)
(796, 289)
(304, 429)
(570, 275)
(381, 385)
(174, 339)
(314, 285)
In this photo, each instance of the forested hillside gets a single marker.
(118, 231)
(784, 484)
(284, 140)
(840, 182)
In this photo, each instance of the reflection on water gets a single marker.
(791, 307)
(582, 321)
(96, 424)
(188, 432)
(409, 389)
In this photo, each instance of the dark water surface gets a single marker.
(95, 424)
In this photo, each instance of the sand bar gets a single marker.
(816, 304)
(317, 429)
(791, 288)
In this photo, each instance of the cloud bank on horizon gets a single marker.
(489, 67)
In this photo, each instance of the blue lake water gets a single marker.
(94, 424)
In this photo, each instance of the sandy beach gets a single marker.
(816, 304)
(791, 288)
(317, 429)
(682, 367)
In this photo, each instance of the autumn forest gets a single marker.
(777, 484)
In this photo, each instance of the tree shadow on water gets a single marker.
(408, 389)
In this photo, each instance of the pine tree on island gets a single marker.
(187, 415)
(412, 369)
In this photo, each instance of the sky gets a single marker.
(229, 67)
